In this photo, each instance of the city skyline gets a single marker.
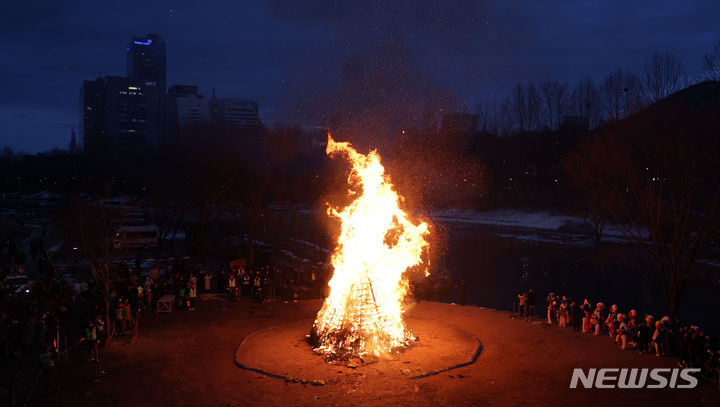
(119, 114)
(282, 53)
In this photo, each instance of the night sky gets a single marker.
(280, 52)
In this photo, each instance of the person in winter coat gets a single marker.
(587, 310)
(621, 332)
(597, 318)
(612, 321)
(657, 338)
(192, 295)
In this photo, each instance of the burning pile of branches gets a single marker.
(378, 243)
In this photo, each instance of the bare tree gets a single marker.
(663, 74)
(621, 94)
(585, 102)
(660, 190)
(483, 112)
(555, 97)
(711, 64)
(519, 107)
(90, 226)
(534, 105)
(634, 100)
(507, 123)
(489, 116)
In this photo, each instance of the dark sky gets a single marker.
(280, 51)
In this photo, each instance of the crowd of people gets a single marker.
(33, 326)
(693, 346)
(133, 297)
(270, 282)
(55, 315)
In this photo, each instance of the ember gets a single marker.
(378, 243)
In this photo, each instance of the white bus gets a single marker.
(136, 236)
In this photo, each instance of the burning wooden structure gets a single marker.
(378, 243)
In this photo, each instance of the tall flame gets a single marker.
(377, 244)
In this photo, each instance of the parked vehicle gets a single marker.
(136, 237)
(17, 284)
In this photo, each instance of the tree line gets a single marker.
(543, 106)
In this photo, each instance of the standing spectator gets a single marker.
(632, 325)
(597, 318)
(257, 284)
(267, 285)
(657, 338)
(192, 295)
(246, 284)
(563, 312)
(182, 294)
(148, 293)
(207, 279)
(531, 302)
(586, 309)
(612, 321)
(91, 338)
(155, 272)
(99, 327)
(622, 332)
(232, 287)
(129, 316)
(120, 318)
(522, 304)
(668, 335)
(643, 336)
(551, 307)
(576, 316)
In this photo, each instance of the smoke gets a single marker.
(378, 96)
(371, 85)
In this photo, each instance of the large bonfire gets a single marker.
(378, 243)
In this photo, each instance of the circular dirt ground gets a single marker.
(281, 351)
(187, 359)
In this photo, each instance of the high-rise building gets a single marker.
(147, 61)
(127, 113)
(73, 142)
(115, 116)
(238, 120)
(194, 119)
(189, 115)
(147, 67)
(176, 91)
(128, 118)
(92, 116)
(232, 115)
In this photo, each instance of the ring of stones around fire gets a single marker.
(313, 361)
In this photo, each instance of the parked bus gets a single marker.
(136, 236)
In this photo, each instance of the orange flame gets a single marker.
(377, 244)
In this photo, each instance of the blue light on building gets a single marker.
(148, 42)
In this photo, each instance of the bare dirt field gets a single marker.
(188, 359)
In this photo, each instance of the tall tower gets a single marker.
(147, 61)
(73, 142)
(93, 114)
(147, 68)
